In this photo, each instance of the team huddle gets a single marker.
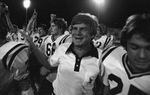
(73, 59)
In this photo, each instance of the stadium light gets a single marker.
(100, 4)
(26, 4)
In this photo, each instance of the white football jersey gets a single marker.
(103, 42)
(13, 58)
(122, 80)
(50, 45)
(75, 75)
(40, 40)
(35, 37)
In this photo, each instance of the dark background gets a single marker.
(114, 13)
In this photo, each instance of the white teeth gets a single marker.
(78, 39)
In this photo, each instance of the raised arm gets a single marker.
(31, 24)
(41, 57)
(10, 25)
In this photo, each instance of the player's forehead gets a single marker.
(136, 39)
(80, 25)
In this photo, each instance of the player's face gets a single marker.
(81, 35)
(54, 30)
(41, 31)
(138, 53)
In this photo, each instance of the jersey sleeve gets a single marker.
(15, 60)
(19, 66)
(103, 72)
(103, 42)
(69, 39)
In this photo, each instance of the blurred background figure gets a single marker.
(13, 61)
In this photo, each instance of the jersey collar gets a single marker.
(128, 69)
(92, 52)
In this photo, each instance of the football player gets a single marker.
(128, 67)
(13, 63)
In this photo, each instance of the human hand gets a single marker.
(3, 8)
(52, 16)
(34, 15)
(27, 37)
(44, 71)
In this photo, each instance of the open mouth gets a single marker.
(78, 38)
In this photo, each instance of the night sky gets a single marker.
(114, 13)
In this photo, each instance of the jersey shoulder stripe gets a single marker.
(16, 49)
(64, 39)
(107, 51)
(45, 38)
(14, 55)
(6, 55)
(107, 41)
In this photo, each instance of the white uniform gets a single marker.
(122, 80)
(103, 42)
(48, 47)
(35, 37)
(13, 58)
(75, 75)
(40, 41)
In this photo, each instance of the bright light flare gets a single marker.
(26, 3)
(99, 2)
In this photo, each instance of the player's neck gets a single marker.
(80, 51)
(54, 37)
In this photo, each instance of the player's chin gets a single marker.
(77, 43)
(142, 66)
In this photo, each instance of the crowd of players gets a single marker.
(73, 59)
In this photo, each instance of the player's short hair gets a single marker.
(61, 23)
(87, 19)
(136, 24)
